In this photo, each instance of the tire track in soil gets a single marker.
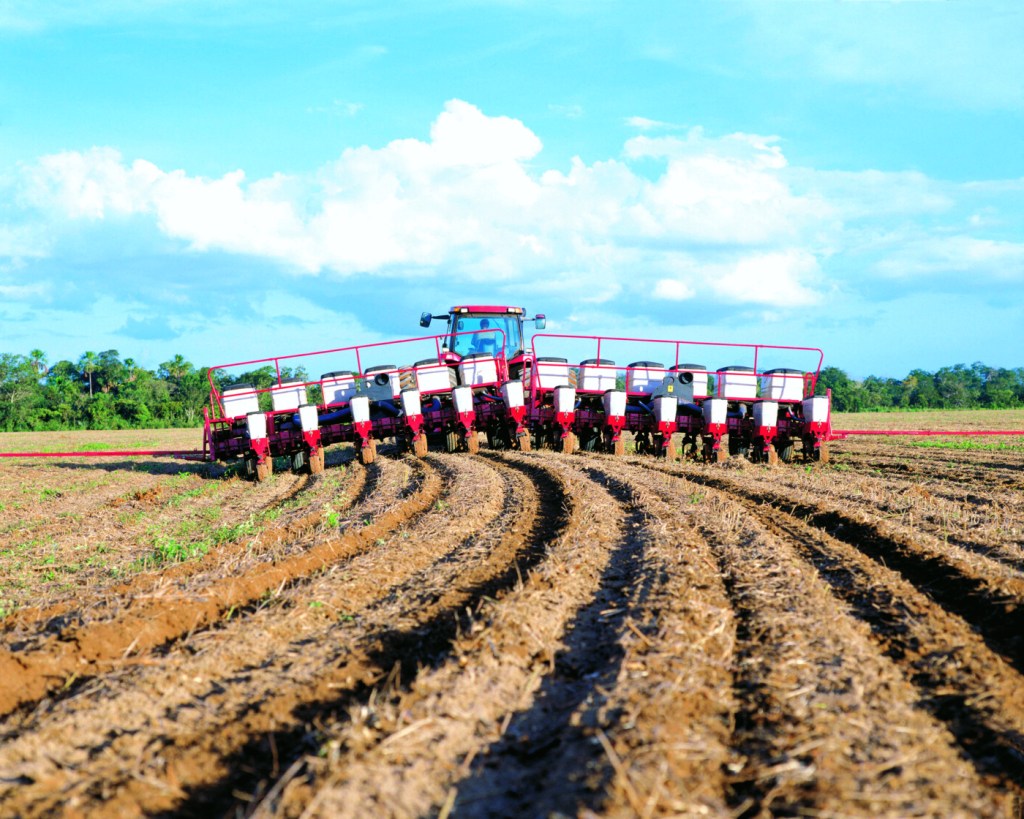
(966, 510)
(191, 758)
(1004, 475)
(960, 681)
(157, 621)
(546, 760)
(826, 725)
(540, 512)
(993, 606)
(677, 703)
(515, 636)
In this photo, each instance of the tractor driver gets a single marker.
(484, 342)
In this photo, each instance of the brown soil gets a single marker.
(517, 634)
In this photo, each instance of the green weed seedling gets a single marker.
(7, 608)
(170, 550)
(188, 494)
(971, 444)
(229, 534)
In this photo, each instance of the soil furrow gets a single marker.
(992, 604)
(962, 518)
(676, 687)
(350, 654)
(156, 621)
(1005, 475)
(825, 723)
(104, 600)
(960, 681)
(525, 691)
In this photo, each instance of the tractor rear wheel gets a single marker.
(785, 450)
(299, 460)
(451, 442)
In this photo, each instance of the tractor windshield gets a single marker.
(464, 341)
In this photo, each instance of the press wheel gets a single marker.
(368, 453)
(264, 470)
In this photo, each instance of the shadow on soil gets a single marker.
(253, 769)
(549, 761)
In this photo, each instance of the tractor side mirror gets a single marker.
(540, 322)
(425, 319)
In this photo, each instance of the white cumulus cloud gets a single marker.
(725, 219)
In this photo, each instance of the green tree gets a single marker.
(88, 364)
(20, 394)
(846, 393)
(1000, 389)
(922, 389)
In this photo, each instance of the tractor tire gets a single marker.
(264, 470)
(784, 450)
(451, 442)
(737, 446)
(300, 461)
(472, 442)
(420, 446)
(569, 444)
(368, 453)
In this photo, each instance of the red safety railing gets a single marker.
(356, 350)
(678, 350)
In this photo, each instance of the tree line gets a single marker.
(104, 391)
(958, 387)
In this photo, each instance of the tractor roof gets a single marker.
(486, 308)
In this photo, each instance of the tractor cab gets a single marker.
(484, 329)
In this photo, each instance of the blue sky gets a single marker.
(235, 180)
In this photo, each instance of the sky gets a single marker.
(235, 180)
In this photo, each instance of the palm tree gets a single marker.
(88, 363)
(38, 359)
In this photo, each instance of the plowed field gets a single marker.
(524, 634)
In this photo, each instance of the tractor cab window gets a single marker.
(465, 341)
